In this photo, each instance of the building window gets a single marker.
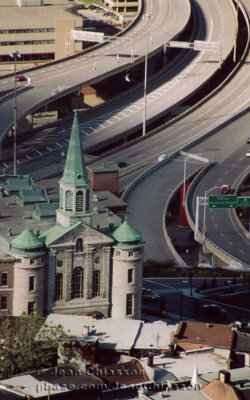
(59, 287)
(130, 275)
(79, 246)
(96, 283)
(87, 199)
(69, 201)
(79, 201)
(61, 199)
(3, 302)
(4, 279)
(31, 307)
(129, 304)
(118, 253)
(59, 263)
(130, 253)
(31, 283)
(77, 283)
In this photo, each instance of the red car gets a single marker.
(225, 189)
(20, 78)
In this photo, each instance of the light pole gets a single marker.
(186, 157)
(14, 54)
(145, 83)
(237, 28)
(204, 212)
(203, 202)
(184, 182)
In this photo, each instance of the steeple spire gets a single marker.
(75, 172)
(74, 184)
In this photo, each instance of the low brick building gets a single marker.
(192, 335)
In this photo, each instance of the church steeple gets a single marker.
(75, 172)
(74, 184)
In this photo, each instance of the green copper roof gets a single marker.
(27, 244)
(27, 240)
(126, 233)
(75, 172)
(56, 231)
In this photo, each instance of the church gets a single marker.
(86, 262)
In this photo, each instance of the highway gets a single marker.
(221, 228)
(95, 65)
(109, 121)
(232, 99)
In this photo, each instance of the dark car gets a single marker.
(121, 164)
(214, 310)
(20, 78)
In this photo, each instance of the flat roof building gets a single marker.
(39, 30)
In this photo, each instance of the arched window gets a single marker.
(61, 199)
(69, 201)
(96, 284)
(77, 283)
(79, 246)
(87, 199)
(59, 287)
(79, 201)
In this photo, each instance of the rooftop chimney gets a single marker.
(224, 376)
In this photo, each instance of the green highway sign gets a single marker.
(243, 201)
(220, 201)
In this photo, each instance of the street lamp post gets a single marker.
(184, 182)
(145, 83)
(204, 211)
(14, 54)
(202, 201)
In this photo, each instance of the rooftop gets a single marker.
(192, 334)
(111, 332)
(36, 384)
(18, 17)
(15, 218)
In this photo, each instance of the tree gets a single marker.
(26, 344)
(204, 285)
(213, 283)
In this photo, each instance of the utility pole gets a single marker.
(14, 54)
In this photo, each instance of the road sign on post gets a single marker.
(203, 45)
(182, 45)
(87, 36)
(222, 201)
(243, 201)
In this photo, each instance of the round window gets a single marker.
(59, 263)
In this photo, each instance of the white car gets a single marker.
(162, 157)
(248, 153)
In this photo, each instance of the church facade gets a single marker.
(86, 263)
